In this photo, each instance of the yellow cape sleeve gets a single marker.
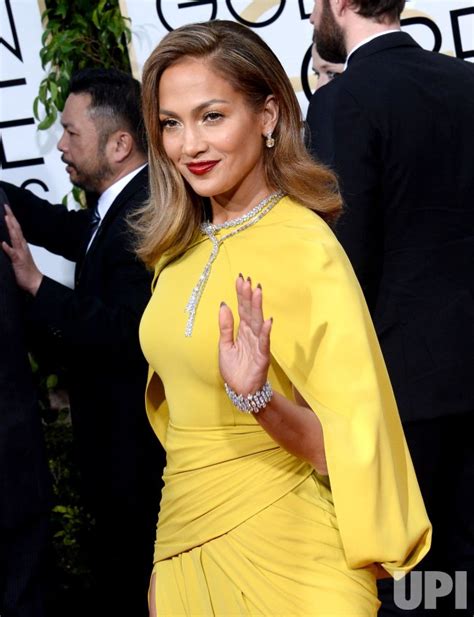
(324, 340)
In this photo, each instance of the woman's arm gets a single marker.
(296, 428)
(244, 364)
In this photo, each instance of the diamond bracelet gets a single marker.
(252, 403)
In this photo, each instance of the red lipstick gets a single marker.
(201, 168)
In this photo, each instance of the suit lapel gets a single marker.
(123, 198)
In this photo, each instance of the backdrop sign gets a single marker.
(440, 25)
(28, 157)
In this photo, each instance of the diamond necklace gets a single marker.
(209, 229)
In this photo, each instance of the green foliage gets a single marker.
(77, 34)
(70, 522)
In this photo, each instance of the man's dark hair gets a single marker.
(115, 99)
(379, 10)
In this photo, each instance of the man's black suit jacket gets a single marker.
(398, 128)
(96, 326)
(24, 476)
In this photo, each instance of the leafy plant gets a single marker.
(70, 522)
(77, 34)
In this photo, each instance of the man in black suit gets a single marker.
(96, 325)
(398, 128)
(24, 479)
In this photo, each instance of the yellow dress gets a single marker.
(245, 528)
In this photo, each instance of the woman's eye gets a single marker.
(316, 72)
(168, 123)
(212, 116)
(331, 74)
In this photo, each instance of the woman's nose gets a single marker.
(193, 142)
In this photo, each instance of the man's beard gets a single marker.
(91, 179)
(329, 37)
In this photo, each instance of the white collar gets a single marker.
(107, 198)
(367, 40)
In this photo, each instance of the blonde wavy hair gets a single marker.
(169, 221)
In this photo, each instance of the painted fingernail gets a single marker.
(249, 280)
(223, 304)
(259, 286)
(271, 319)
(241, 276)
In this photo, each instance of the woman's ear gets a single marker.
(270, 114)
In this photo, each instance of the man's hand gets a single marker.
(27, 274)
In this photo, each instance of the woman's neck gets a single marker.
(226, 208)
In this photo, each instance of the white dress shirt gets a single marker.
(108, 197)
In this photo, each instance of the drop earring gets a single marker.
(269, 142)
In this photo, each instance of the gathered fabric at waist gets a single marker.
(216, 478)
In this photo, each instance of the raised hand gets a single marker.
(27, 274)
(244, 362)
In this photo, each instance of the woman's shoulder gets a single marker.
(169, 258)
(297, 227)
(292, 242)
(293, 217)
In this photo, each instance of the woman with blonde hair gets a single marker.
(288, 486)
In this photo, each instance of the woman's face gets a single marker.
(325, 71)
(211, 133)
